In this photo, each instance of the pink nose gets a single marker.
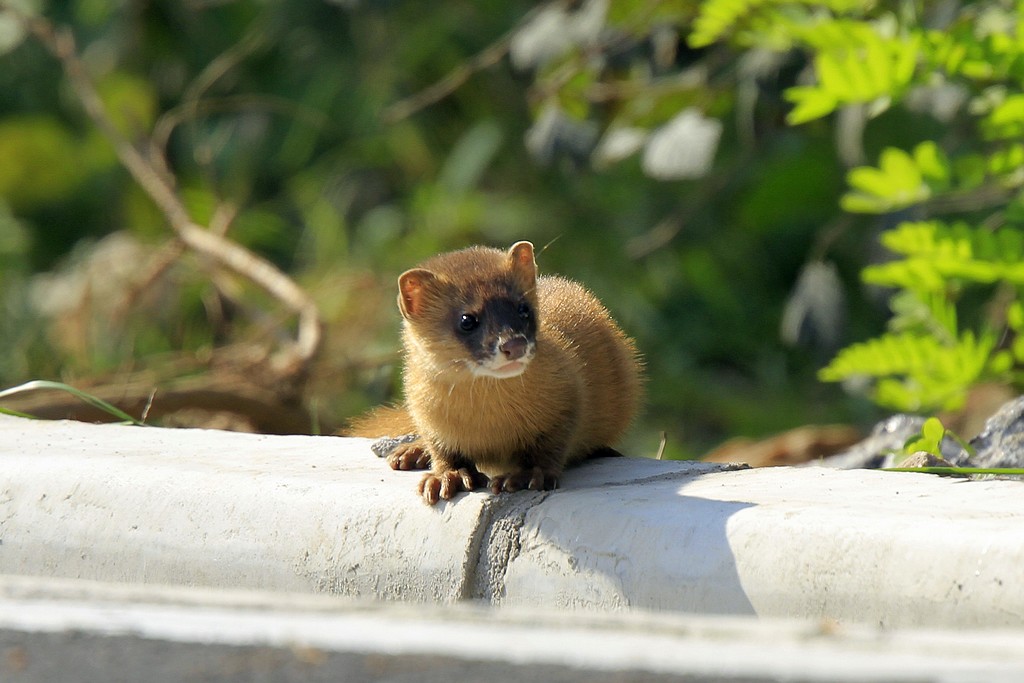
(514, 348)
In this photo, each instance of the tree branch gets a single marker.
(216, 247)
(487, 57)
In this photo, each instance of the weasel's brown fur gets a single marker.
(578, 387)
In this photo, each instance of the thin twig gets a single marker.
(191, 100)
(661, 446)
(222, 218)
(489, 56)
(185, 113)
(157, 264)
(168, 255)
(221, 250)
(149, 404)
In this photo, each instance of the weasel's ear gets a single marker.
(520, 255)
(412, 285)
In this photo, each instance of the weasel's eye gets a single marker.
(525, 311)
(468, 322)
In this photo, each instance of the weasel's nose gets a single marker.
(514, 348)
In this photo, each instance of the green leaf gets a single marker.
(714, 19)
(936, 254)
(914, 371)
(1015, 316)
(811, 103)
(929, 439)
(896, 183)
(933, 430)
(932, 163)
(911, 274)
(1001, 363)
(900, 167)
(872, 181)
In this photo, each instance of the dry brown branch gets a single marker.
(158, 264)
(292, 360)
(166, 256)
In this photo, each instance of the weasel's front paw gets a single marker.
(434, 486)
(535, 479)
(409, 456)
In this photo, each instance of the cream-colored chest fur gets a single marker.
(491, 420)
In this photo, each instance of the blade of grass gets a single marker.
(94, 401)
(958, 470)
(15, 413)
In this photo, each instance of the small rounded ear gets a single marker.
(412, 285)
(520, 255)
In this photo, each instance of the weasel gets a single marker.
(508, 377)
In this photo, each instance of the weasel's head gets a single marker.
(474, 309)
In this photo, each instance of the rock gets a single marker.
(384, 446)
(1001, 442)
(924, 459)
(888, 438)
(876, 450)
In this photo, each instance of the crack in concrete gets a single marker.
(688, 473)
(497, 536)
(496, 542)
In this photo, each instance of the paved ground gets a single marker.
(59, 630)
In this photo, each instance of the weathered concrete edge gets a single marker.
(320, 514)
(882, 548)
(587, 643)
(498, 537)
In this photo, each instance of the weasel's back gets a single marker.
(606, 359)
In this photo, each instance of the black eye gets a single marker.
(525, 311)
(468, 322)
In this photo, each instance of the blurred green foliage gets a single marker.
(963, 63)
(934, 92)
(276, 115)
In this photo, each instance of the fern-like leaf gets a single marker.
(876, 69)
(900, 180)
(913, 371)
(935, 253)
(718, 19)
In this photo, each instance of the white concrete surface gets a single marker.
(65, 630)
(323, 515)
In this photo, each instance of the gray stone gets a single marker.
(884, 446)
(876, 450)
(1001, 442)
(385, 446)
(925, 459)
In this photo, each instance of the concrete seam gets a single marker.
(498, 543)
(672, 476)
(474, 553)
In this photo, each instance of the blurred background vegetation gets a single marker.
(286, 127)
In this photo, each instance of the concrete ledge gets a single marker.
(323, 515)
(67, 630)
